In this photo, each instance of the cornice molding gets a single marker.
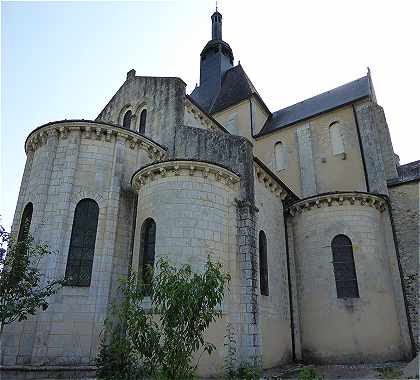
(185, 168)
(94, 131)
(338, 199)
(201, 117)
(270, 182)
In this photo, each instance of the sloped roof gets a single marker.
(347, 93)
(236, 86)
(406, 173)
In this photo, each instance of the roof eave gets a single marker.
(263, 133)
(206, 113)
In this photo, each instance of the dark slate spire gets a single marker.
(216, 26)
(215, 59)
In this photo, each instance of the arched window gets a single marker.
(82, 243)
(263, 263)
(336, 138)
(280, 156)
(127, 120)
(231, 124)
(25, 222)
(142, 126)
(147, 253)
(344, 269)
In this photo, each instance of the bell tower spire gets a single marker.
(216, 25)
(215, 59)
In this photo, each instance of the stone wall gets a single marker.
(385, 142)
(163, 98)
(312, 168)
(233, 152)
(193, 206)
(405, 201)
(372, 327)
(306, 161)
(274, 309)
(376, 143)
(67, 162)
(195, 117)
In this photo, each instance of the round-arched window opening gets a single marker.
(25, 222)
(142, 125)
(147, 254)
(127, 119)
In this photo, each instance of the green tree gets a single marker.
(23, 289)
(158, 337)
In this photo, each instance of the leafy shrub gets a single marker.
(158, 339)
(23, 288)
(389, 373)
(309, 374)
(249, 372)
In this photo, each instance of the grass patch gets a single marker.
(389, 373)
(309, 374)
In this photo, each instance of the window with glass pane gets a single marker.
(25, 222)
(263, 264)
(344, 269)
(147, 253)
(82, 243)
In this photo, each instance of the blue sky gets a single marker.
(66, 59)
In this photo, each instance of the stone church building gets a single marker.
(306, 207)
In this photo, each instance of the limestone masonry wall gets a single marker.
(193, 206)
(405, 201)
(163, 98)
(233, 152)
(372, 327)
(274, 309)
(67, 162)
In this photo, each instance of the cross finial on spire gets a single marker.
(216, 6)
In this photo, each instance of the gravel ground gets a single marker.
(395, 370)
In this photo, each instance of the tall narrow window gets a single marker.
(280, 156)
(231, 124)
(142, 127)
(344, 269)
(147, 253)
(336, 138)
(263, 263)
(127, 120)
(82, 243)
(25, 222)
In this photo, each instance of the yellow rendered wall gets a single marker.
(242, 111)
(332, 173)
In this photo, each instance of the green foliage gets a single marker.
(23, 289)
(309, 374)
(389, 373)
(250, 372)
(157, 337)
(246, 371)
